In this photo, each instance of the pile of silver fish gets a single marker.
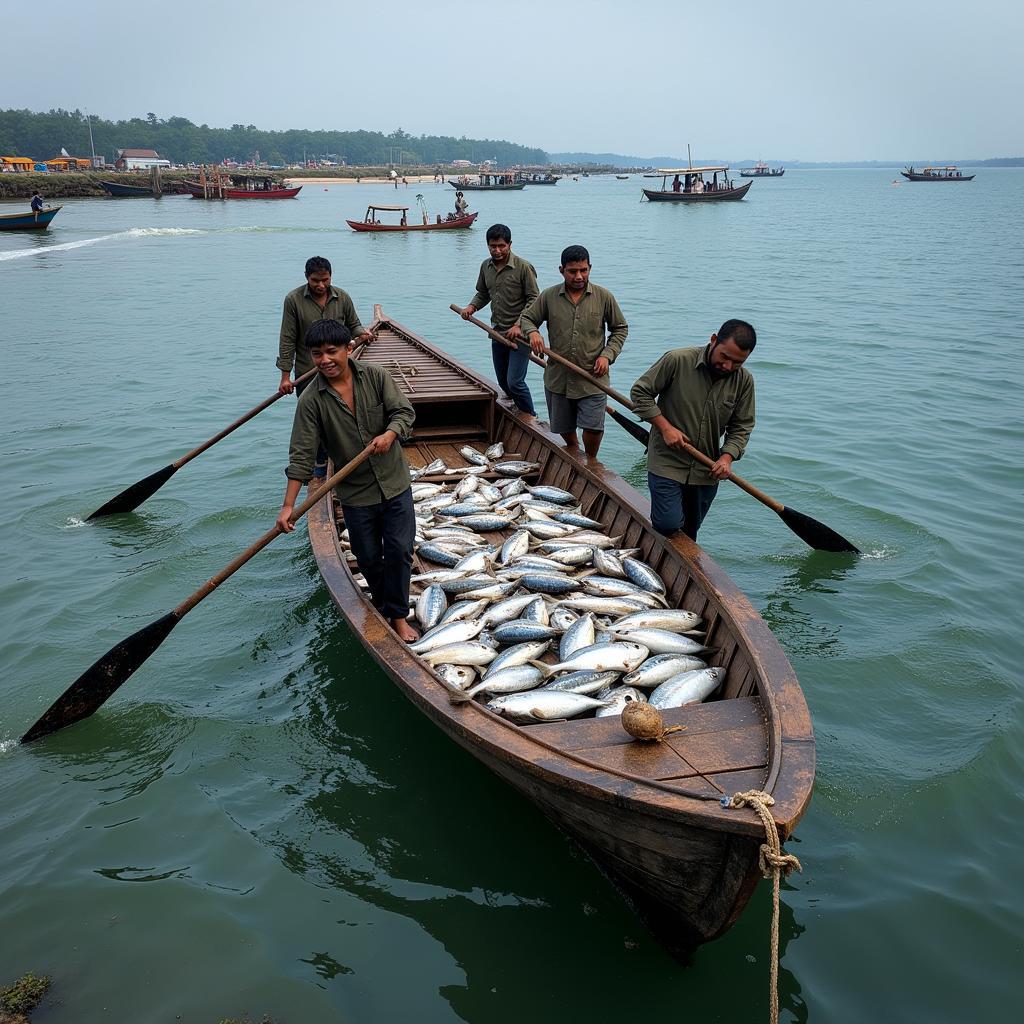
(557, 586)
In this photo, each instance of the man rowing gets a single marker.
(703, 397)
(509, 284)
(349, 406)
(577, 314)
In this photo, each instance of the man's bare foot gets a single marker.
(404, 630)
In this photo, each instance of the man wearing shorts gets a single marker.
(577, 314)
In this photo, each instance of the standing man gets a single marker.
(577, 313)
(696, 396)
(509, 284)
(316, 300)
(349, 406)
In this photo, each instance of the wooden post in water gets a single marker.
(154, 177)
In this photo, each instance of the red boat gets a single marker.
(237, 186)
(371, 223)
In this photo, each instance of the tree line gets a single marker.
(43, 135)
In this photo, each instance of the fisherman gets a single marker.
(316, 300)
(509, 284)
(461, 206)
(349, 406)
(695, 396)
(577, 313)
(37, 205)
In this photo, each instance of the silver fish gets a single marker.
(436, 576)
(459, 676)
(510, 679)
(433, 468)
(507, 610)
(488, 492)
(492, 591)
(579, 635)
(676, 620)
(438, 555)
(554, 494)
(608, 564)
(495, 451)
(536, 611)
(514, 486)
(448, 633)
(643, 575)
(423, 491)
(465, 653)
(460, 509)
(576, 519)
(576, 555)
(609, 586)
(603, 605)
(589, 537)
(464, 584)
(687, 688)
(546, 531)
(472, 455)
(467, 486)
(519, 631)
(661, 641)
(516, 545)
(586, 682)
(539, 562)
(463, 610)
(477, 561)
(562, 618)
(542, 705)
(431, 606)
(437, 502)
(486, 522)
(662, 667)
(617, 657)
(517, 467)
(549, 583)
(519, 654)
(617, 699)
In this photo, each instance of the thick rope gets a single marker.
(773, 864)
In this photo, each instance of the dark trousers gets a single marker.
(676, 506)
(510, 370)
(382, 536)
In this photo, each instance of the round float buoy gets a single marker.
(642, 721)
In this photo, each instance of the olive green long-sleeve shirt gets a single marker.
(300, 312)
(679, 386)
(509, 289)
(322, 416)
(577, 332)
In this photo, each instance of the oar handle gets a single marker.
(233, 566)
(498, 336)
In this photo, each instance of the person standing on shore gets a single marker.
(304, 306)
(348, 407)
(509, 284)
(696, 396)
(577, 313)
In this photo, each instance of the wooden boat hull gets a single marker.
(916, 176)
(514, 187)
(28, 221)
(119, 191)
(195, 190)
(658, 196)
(445, 225)
(648, 814)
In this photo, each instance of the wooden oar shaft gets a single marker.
(498, 336)
(236, 563)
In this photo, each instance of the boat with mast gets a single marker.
(762, 170)
(948, 173)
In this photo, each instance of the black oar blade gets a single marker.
(818, 535)
(637, 430)
(89, 691)
(132, 497)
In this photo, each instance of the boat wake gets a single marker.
(14, 254)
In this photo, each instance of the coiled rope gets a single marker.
(773, 864)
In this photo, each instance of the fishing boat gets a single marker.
(947, 173)
(119, 191)
(506, 182)
(237, 186)
(622, 177)
(372, 223)
(649, 814)
(29, 221)
(762, 170)
(696, 185)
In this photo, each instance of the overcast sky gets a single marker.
(783, 79)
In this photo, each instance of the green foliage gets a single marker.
(22, 997)
(42, 135)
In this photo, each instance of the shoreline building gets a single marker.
(139, 160)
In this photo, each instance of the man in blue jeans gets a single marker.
(509, 284)
(703, 397)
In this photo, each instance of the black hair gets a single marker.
(327, 332)
(741, 332)
(574, 254)
(499, 232)
(317, 263)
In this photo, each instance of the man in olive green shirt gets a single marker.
(577, 313)
(509, 284)
(316, 300)
(350, 406)
(696, 396)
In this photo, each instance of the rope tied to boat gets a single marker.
(773, 864)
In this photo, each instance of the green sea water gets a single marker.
(259, 823)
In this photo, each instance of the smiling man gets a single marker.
(577, 314)
(347, 407)
(703, 397)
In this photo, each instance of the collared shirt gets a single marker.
(576, 331)
(509, 289)
(680, 387)
(323, 417)
(301, 311)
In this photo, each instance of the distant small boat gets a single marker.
(762, 170)
(371, 223)
(622, 177)
(237, 186)
(119, 191)
(490, 183)
(689, 186)
(29, 221)
(947, 173)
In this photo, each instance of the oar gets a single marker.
(817, 535)
(89, 691)
(132, 497)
